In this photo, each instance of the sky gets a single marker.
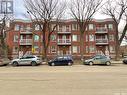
(19, 11)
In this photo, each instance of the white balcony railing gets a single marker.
(25, 41)
(26, 31)
(101, 41)
(64, 42)
(64, 32)
(101, 30)
(64, 53)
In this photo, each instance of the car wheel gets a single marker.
(69, 64)
(90, 63)
(15, 64)
(108, 63)
(33, 63)
(52, 64)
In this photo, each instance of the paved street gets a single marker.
(64, 80)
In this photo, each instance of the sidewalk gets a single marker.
(116, 62)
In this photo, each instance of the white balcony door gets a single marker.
(64, 38)
(21, 37)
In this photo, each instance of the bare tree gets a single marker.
(117, 9)
(44, 12)
(82, 11)
(4, 28)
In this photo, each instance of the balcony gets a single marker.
(26, 31)
(25, 41)
(61, 53)
(101, 30)
(64, 32)
(101, 41)
(64, 42)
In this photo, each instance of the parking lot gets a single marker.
(64, 80)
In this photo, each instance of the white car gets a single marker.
(26, 60)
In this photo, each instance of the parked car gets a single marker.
(4, 61)
(62, 60)
(26, 60)
(125, 60)
(98, 59)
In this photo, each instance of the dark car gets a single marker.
(98, 59)
(125, 60)
(58, 61)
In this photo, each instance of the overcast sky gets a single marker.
(19, 10)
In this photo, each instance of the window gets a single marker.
(75, 49)
(15, 49)
(17, 27)
(53, 49)
(67, 28)
(28, 28)
(53, 37)
(37, 27)
(36, 49)
(87, 49)
(110, 26)
(36, 38)
(91, 37)
(74, 27)
(16, 37)
(60, 28)
(22, 28)
(111, 38)
(86, 38)
(91, 27)
(53, 26)
(91, 48)
(112, 49)
(74, 38)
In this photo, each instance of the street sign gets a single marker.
(6, 7)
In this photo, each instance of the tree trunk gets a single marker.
(117, 45)
(82, 46)
(4, 48)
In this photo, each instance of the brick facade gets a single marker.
(98, 38)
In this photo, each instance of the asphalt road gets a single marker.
(64, 80)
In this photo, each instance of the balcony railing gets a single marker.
(101, 41)
(64, 53)
(64, 42)
(26, 31)
(101, 30)
(25, 41)
(64, 32)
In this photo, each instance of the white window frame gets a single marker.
(16, 39)
(92, 49)
(36, 39)
(37, 27)
(111, 38)
(75, 38)
(74, 26)
(17, 27)
(91, 38)
(53, 38)
(75, 49)
(110, 26)
(53, 49)
(91, 26)
(112, 49)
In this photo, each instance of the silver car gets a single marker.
(26, 60)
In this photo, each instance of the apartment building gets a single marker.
(26, 38)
